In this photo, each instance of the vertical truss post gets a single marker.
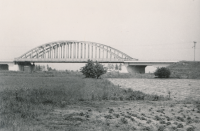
(92, 51)
(43, 52)
(99, 53)
(54, 54)
(61, 51)
(70, 50)
(107, 53)
(64, 50)
(49, 52)
(103, 53)
(54, 50)
(74, 50)
(88, 51)
(57, 51)
(81, 49)
(77, 50)
(85, 51)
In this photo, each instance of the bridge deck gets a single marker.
(149, 62)
(69, 60)
(6, 61)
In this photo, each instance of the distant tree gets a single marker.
(110, 66)
(162, 72)
(120, 66)
(116, 67)
(38, 68)
(42, 68)
(49, 68)
(93, 70)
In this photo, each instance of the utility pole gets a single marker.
(194, 48)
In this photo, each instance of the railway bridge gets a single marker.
(76, 52)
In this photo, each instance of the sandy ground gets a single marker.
(179, 88)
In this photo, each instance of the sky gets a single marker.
(144, 29)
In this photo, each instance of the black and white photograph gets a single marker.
(99, 65)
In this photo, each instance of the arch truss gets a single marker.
(74, 51)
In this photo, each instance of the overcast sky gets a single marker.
(143, 29)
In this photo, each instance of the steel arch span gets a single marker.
(74, 52)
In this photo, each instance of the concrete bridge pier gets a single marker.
(26, 66)
(135, 68)
(139, 66)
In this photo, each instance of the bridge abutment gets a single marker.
(139, 66)
(136, 68)
(26, 66)
(4, 66)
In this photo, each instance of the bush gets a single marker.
(91, 70)
(162, 72)
(99, 70)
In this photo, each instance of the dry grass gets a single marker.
(116, 74)
(67, 101)
(25, 97)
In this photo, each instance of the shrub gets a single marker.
(180, 125)
(162, 72)
(161, 128)
(124, 120)
(99, 70)
(190, 129)
(91, 70)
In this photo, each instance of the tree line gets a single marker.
(43, 68)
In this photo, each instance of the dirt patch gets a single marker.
(179, 88)
(125, 115)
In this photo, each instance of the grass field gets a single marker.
(48, 101)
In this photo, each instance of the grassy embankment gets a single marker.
(185, 69)
(181, 70)
(25, 98)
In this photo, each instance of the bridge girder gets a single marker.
(74, 50)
